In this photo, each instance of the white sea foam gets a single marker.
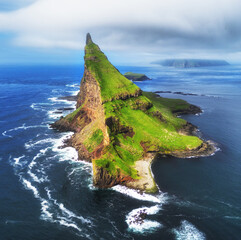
(160, 198)
(24, 127)
(75, 85)
(188, 231)
(40, 106)
(137, 221)
(17, 160)
(71, 224)
(56, 99)
(31, 143)
(46, 214)
(54, 115)
(67, 153)
(29, 186)
(67, 215)
(70, 214)
(74, 93)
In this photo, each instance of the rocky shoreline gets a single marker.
(121, 129)
(146, 183)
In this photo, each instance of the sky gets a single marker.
(130, 32)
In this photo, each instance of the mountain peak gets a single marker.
(120, 129)
(88, 39)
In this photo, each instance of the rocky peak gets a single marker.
(88, 39)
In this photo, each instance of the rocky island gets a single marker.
(136, 76)
(121, 129)
(191, 63)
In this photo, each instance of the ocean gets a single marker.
(46, 194)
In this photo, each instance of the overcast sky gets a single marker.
(129, 31)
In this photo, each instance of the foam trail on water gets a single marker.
(66, 224)
(31, 144)
(160, 198)
(21, 127)
(17, 160)
(75, 85)
(67, 153)
(188, 231)
(137, 221)
(29, 186)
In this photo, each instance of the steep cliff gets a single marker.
(121, 129)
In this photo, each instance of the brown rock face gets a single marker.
(103, 179)
(90, 116)
(89, 92)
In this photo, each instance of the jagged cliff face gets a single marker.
(116, 126)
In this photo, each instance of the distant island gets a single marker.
(136, 76)
(191, 63)
(121, 129)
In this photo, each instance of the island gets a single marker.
(136, 76)
(121, 129)
(191, 63)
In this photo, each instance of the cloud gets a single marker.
(149, 26)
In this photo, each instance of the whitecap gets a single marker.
(75, 85)
(67, 224)
(40, 106)
(54, 115)
(160, 198)
(137, 221)
(66, 153)
(17, 160)
(188, 231)
(46, 215)
(24, 127)
(56, 99)
(29, 186)
(31, 144)
(70, 214)
(74, 93)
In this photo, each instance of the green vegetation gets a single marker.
(72, 115)
(151, 133)
(94, 141)
(136, 76)
(113, 84)
(137, 122)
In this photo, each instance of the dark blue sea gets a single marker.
(46, 194)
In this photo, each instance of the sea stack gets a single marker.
(120, 129)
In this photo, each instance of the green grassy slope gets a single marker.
(151, 133)
(137, 122)
(113, 84)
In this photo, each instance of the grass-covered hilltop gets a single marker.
(121, 129)
(136, 76)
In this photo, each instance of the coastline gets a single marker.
(146, 182)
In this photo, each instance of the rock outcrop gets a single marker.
(120, 129)
(136, 76)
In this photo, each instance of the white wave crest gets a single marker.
(56, 99)
(29, 186)
(188, 231)
(21, 127)
(160, 198)
(66, 153)
(17, 160)
(137, 221)
(67, 224)
(75, 85)
(31, 144)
